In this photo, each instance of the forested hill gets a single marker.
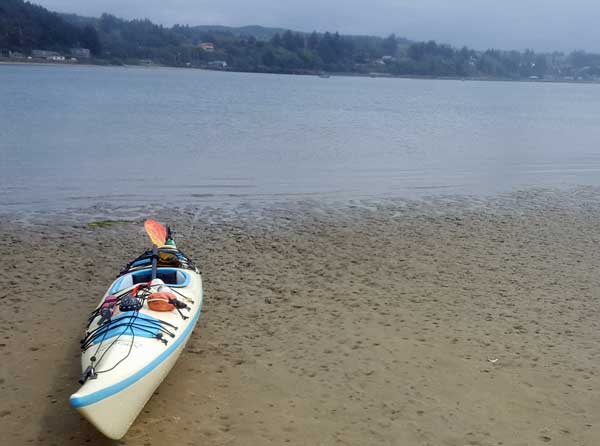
(256, 31)
(25, 27)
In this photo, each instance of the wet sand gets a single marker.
(375, 325)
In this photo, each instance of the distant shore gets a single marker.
(7, 61)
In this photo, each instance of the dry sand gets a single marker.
(367, 326)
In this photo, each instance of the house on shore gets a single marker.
(207, 46)
(218, 64)
(44, 54)
(81, 53)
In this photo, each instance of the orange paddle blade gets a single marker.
(156, 232)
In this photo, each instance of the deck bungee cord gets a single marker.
(90, 372)
(164, 252)
(129, 302)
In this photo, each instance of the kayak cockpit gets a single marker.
(172, 277)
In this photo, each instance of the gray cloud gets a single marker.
(508, 24)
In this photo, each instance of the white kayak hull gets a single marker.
(114, 415)
(134, 367)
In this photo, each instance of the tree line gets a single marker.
(394, 56)
(24, 27)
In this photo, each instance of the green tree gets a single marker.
(390, 45)
(89, 39)
(313, 41)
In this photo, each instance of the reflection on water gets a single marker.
(133, 136)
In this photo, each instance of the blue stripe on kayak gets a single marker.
(116, 388)
(150, 330)
(141, 262)
(117, 285)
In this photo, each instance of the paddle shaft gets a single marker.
(154, 260)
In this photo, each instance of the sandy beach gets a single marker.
(389, 324)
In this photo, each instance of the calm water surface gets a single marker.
(76, 136)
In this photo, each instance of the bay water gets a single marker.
(75, 136)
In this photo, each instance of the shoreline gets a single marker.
(430, 324)
(330, 74)
(269, 209)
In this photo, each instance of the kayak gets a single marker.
(137, 332)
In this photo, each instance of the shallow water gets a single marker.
(74, 137)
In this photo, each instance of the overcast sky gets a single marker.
(505, 24)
